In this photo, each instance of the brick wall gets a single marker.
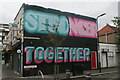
(108, 34)
(108, 38)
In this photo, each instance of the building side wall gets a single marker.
(18, 64)
(108, 38)
(57, 24)
(112, 38)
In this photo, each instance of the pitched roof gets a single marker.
(114, 28)
(107, 29)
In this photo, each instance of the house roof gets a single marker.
(114, 28)
(107, 29)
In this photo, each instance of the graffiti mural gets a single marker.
(53, 37)
(82, 28)
(41, 22)
(58, 55)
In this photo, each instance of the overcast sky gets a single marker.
(91, 8)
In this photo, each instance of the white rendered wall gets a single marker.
(111, 55)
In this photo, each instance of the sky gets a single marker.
(91, 8)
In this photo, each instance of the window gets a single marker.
(110, 54)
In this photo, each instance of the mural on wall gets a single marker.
(77, 47)
(41, 22)
(58, 55)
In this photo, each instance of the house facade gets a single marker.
(4, 29)
(108, 46)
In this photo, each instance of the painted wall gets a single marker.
(41, 22)
(77, 38)
(56, 55)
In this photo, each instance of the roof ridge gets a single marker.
(113, 27)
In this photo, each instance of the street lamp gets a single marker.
(101, 15)
(98, 17)
(99, 63)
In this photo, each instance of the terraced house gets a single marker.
(108, 46)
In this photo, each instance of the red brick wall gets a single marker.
(111, 38)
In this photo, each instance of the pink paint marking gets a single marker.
(27, 62)
(62, 51)
(74, 60)
(82, 28)
(65, 60)
(71, 55)
(45, 57)
(36, 61)
(87, 59)
(58, 61)
(79, 60)
(65, 55)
